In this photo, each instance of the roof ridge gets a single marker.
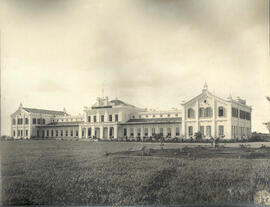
(42, 109)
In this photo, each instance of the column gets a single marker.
(128, 132)
(24, 126)
(197, 110)
(183, 126)
(106, 116)
(142, 132)
(80, 131)
(93, 131)
(101, 132)
(165, 131)
(29, 127)
(173, 131)
(149, 131)
(86, 132)
(228, 114)
(16, 134)
(115, 132)
(214, 118)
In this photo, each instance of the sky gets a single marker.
(149, 53)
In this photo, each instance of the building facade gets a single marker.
(206, 113)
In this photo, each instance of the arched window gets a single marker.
(221, 111)
(208, 112)
(201, 112)
(191, 113)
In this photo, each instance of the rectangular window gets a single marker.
(102, 118)
(95, 119)
(220, 130)
(116, 117)
(145, 132)
(153, 131)
(14, 133)
(56, 133)
(131, 132)
(110, 117)
(43, 121)
(20, 121)
(52, 133)
(89, 118)
(208, 131)
(161, 131)
(77, 133)
(234, 112)
(89, 132)
(66, 133)
(169, 132)
(61, 133)
(125, 132)
(139, 132)
(34, 120)
(48, 133)
(38, 133)
(82, 133)
(202, 130)
(26, 132)
(26, 120)
(71, 132)
(190, 130)
(177, 131)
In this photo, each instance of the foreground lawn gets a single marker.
(81, 173)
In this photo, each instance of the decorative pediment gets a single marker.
(19, 112)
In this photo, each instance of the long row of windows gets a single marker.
(56, 133)
(206, 112)
(158, 115)
(20, 121)
(153, 130)
(102, 118)
(26, 121)
(20, 133)
(240, 131)
(208, 130)
(241, 114)
(38, 121)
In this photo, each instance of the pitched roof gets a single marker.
(117, 102)
(44, 111)
(154, 121)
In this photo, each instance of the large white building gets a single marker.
(110, 119)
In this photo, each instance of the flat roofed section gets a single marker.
(60, 124)
(153, 121)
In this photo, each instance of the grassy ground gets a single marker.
(80, 173)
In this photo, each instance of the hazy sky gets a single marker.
(150, 53)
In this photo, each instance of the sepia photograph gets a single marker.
(135, 102)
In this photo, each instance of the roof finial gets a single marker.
(205, 87)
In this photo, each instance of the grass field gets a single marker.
(114, 173)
